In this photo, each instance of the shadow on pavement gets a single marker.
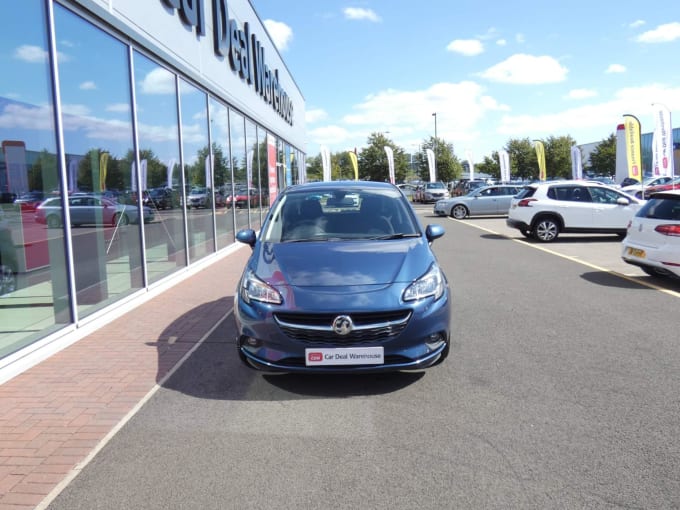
(214, 370)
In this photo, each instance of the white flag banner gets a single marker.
(326, 163)
(662, 143)
(430, 163)
(142, 176)
(249, 167)
(576, 163)
(390, 162)
(171, 167)
(471, 164)
(208, 170)
(504, 160)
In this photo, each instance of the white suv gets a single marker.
(546, 209)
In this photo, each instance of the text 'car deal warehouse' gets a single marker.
(109, 105)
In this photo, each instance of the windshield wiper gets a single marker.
(399, 235)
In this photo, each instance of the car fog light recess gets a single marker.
(252, 342)
(434, 340)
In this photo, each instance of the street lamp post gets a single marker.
(435, 145)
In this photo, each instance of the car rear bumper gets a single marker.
(519, 225)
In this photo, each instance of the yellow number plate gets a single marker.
(635, 252)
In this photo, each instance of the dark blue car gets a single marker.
(342, 279)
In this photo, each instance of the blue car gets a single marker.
(337, 284)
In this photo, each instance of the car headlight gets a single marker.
(252, 288)
(430, 284)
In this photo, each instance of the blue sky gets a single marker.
(492, 71)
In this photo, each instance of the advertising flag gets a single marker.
(504, 160)
(471, 164)
(430, 163)
(326, 163)
(662, 143)
(390, 162)
(103, 169)
(540, 156)
(632, 127)
(170, 170)
(355, 164)
(576, 163)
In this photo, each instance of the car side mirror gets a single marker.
(622, 201)
(247, 236)
(433, 232)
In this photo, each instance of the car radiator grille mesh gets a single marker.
(317, 329)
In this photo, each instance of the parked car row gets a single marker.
(650, 229)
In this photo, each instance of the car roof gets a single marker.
(325, 186)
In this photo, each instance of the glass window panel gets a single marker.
(33, 284)
(262, 169)
(224, 218)
(95, 97)
(158, 135)
(197, 171)
(242, 179)
(253, 170)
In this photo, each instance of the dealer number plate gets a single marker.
(636, 252)
(345, 356)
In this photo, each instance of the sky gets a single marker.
(492, 71)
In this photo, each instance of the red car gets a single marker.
(674, 184)
(243, 197)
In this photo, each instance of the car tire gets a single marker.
(8, 279)
(459, 211)
(546, 229)
(53, 221)
(120, 219)
(527, 233)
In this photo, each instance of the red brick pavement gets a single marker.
(55, 414)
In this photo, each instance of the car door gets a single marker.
(504, 196)
(574, 205)
(607, 212)
(483, 202)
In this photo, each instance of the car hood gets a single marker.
(342, 264)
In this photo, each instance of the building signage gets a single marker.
(242, 49)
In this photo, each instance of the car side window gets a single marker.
(604, 196)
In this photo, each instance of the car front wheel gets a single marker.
(459, 212)
(546, 230)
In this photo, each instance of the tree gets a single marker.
(603, 158)
(373, 165)
(558, 156)
(448, 166)
(490, 166)
(523, 161)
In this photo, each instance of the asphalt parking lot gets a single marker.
(600, 252)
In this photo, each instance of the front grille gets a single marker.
(317, 329)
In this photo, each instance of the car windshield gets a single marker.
(340, 215)
(435, 185)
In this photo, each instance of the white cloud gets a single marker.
(663, 33)
(280, 33)
(88, 85)
(527, 70)
(31, 54)
(501, 42)
(118, 107)
(637, 23)
(361, 14)
(581, 94)
(158, 81)
(315, 115)
(467, 47)
(615, 68)
(519, 38)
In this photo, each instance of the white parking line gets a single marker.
(629, 277)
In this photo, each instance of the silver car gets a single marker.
(485, 201)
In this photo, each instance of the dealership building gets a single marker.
(129, 128)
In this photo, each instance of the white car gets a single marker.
(545, 210)
(653, 239)
(636, 189)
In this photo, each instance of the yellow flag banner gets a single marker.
(355, 164)
(103, 168)
(540, 155)
(632, 127)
